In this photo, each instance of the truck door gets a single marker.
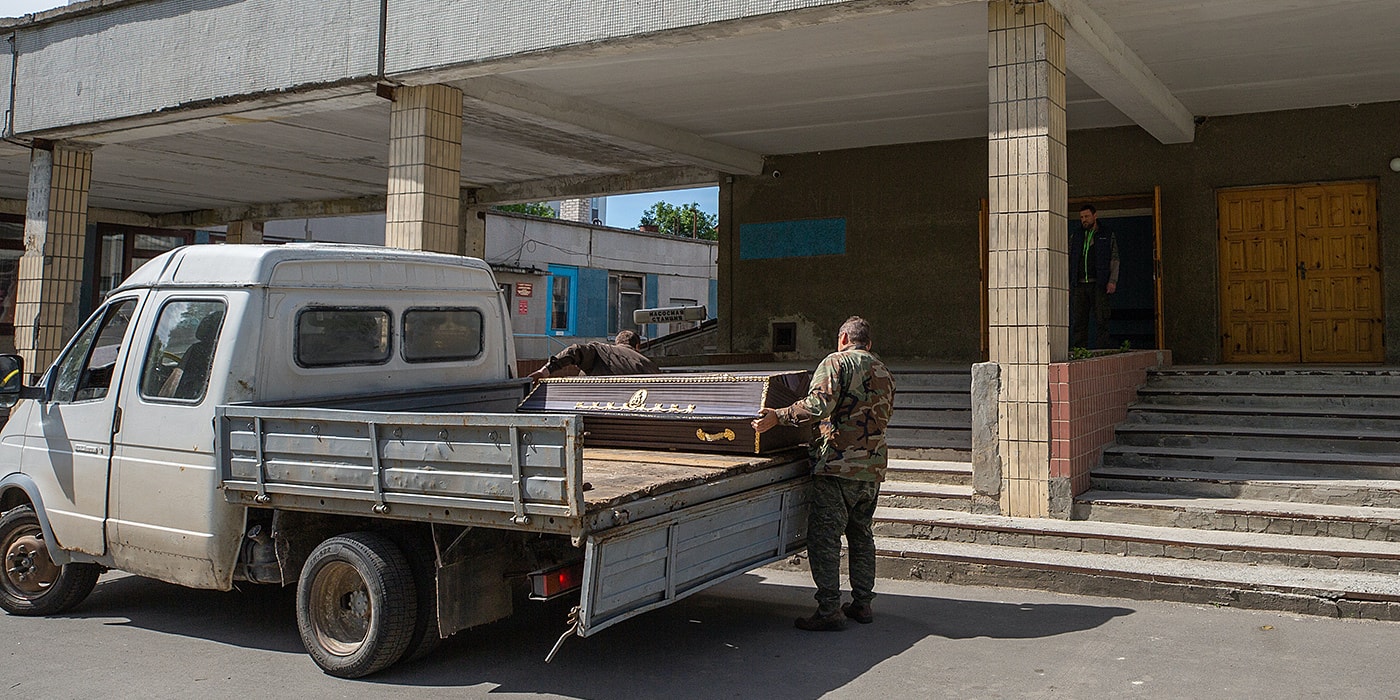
(169, 520)
(68, 443)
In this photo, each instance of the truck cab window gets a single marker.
(85, 372)
(329, 337)
(181, 353)
(441, 335)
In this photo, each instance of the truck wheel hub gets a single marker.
(28, 567)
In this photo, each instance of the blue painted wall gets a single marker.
(712, 310)
(792, 239)
(653, 292)
(592, 302)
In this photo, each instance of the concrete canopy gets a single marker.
(210, 110)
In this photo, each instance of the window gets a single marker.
(624, 297)
(563, 289)
(181, 354)
(440, 335)
(85, 372)
(328, 337)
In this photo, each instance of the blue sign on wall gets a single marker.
(792, 239)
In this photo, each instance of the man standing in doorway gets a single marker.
(1093, 275)
(852, 395)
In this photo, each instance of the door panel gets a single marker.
(1300, 274)
(1340, 306)
(1259, 316)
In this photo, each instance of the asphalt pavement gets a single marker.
(138, 638)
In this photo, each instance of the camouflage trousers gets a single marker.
(841, 506)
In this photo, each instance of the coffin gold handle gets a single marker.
(728, 434)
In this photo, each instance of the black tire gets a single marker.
(423, 562)
(356, 604)
(31, 584)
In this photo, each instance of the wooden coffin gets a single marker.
(695, 412)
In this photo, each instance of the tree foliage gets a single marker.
(533, 209)
(686, 220)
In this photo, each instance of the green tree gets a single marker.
(533, 209)
(686, 220)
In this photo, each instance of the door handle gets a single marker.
(1302, 270)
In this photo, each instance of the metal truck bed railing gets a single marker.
(499, 470)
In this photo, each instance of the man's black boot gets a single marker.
(822, 623)
(858, 612)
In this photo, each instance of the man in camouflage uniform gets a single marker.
(852, 395)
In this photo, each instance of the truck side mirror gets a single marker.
(11, 379)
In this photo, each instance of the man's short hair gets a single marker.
(628, 338)
(1090, 208)
(857, 330)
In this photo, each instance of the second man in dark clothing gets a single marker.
(601, 359)
(1093, 275)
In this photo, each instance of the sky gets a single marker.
(15, 8)
(624, 211)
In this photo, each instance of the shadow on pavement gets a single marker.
(736, 639)
(255, 617)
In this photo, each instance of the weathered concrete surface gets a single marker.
(986, 457)
(144, 639)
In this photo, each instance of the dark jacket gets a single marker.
(1103, 252)
(602, 359)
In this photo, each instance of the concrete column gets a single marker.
(425, 169)
(473, 233)
(1028, 287)
(244, 232)
(51, 270)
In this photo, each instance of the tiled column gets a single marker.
(425, 169)
(51, 270)
(1028, 287)
(244, 232)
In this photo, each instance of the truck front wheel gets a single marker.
(356, 604)
(32, 583)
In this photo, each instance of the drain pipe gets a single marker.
(8, 134)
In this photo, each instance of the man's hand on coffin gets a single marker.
(767, 419)
(539, 374)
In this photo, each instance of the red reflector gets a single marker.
(553, 582)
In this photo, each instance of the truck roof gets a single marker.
(311, 265)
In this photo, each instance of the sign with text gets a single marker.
(524, 306)
(669, 314)
(524, 289)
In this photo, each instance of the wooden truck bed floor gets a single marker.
(612, 476)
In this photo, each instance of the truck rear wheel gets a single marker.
(356, 604)
(32, 583)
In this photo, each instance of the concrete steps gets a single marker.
(930, 471)
(1332, 593)
(1260, 489)
(933, 414)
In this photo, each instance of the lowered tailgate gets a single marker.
(630, 569)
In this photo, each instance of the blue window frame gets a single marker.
(563, 300)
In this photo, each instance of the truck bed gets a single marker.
(512, 471)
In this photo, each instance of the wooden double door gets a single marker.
(1300, 274)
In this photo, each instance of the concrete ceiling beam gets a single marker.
(567, 187)
(1099, 57)
(270, 212)
(615, 124)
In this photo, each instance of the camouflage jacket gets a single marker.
(601, 359)
(852, 397)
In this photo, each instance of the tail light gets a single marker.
(552, 583)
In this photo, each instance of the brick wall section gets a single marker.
(1088, 399)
